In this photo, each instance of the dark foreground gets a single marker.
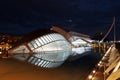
(12, 69)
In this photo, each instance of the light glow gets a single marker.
(98, 64)
(117, 67)
(0, 52)
(90, 77)
(93, 71)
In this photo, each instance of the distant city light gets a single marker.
(90, 77)
(0, 52)
(93, 71)
(98, 64)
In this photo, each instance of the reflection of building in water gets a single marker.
(43, 48)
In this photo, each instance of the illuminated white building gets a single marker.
(43, 48)
(80, 43)
(50, 48)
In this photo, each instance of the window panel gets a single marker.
(30, 59)
(48, 37)
(37, 42)
(34, 44)
(41, 41)
(46, 64)
(43, 63)
(45, 38)
(34, 60)
(51, 37)
(40, 62)
(31, 46)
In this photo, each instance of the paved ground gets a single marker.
(11, 69)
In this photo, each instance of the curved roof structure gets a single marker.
(34, 34)
(43, 48)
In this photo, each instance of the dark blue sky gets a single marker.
(84, 16)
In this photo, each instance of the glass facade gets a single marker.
(21, 52)
(49, 50)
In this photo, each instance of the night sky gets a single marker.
(83, 16)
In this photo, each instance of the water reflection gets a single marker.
(71, 70)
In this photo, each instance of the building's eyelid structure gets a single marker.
(50, 48)
(47, 50)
